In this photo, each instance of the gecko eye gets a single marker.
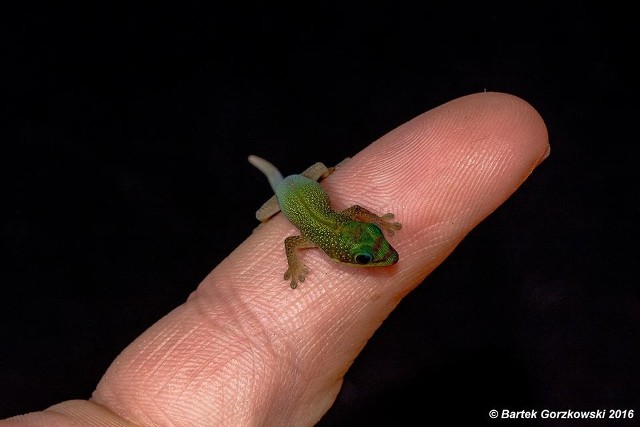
(363, 258)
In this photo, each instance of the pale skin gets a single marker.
(244, 350)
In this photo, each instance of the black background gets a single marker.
(124, 137)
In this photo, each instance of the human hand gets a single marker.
(245, 349)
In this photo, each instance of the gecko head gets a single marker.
(369, 248)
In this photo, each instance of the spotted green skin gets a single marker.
(353, 236)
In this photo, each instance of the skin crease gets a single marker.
(245, 349)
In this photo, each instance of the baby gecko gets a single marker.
(353, 236)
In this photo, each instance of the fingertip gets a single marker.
(516, 115)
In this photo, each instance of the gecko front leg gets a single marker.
(359, 213)
(297, 270)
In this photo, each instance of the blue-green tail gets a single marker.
(271, 172)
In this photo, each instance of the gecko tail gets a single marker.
(271, 172)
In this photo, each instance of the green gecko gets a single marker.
(353, 236)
